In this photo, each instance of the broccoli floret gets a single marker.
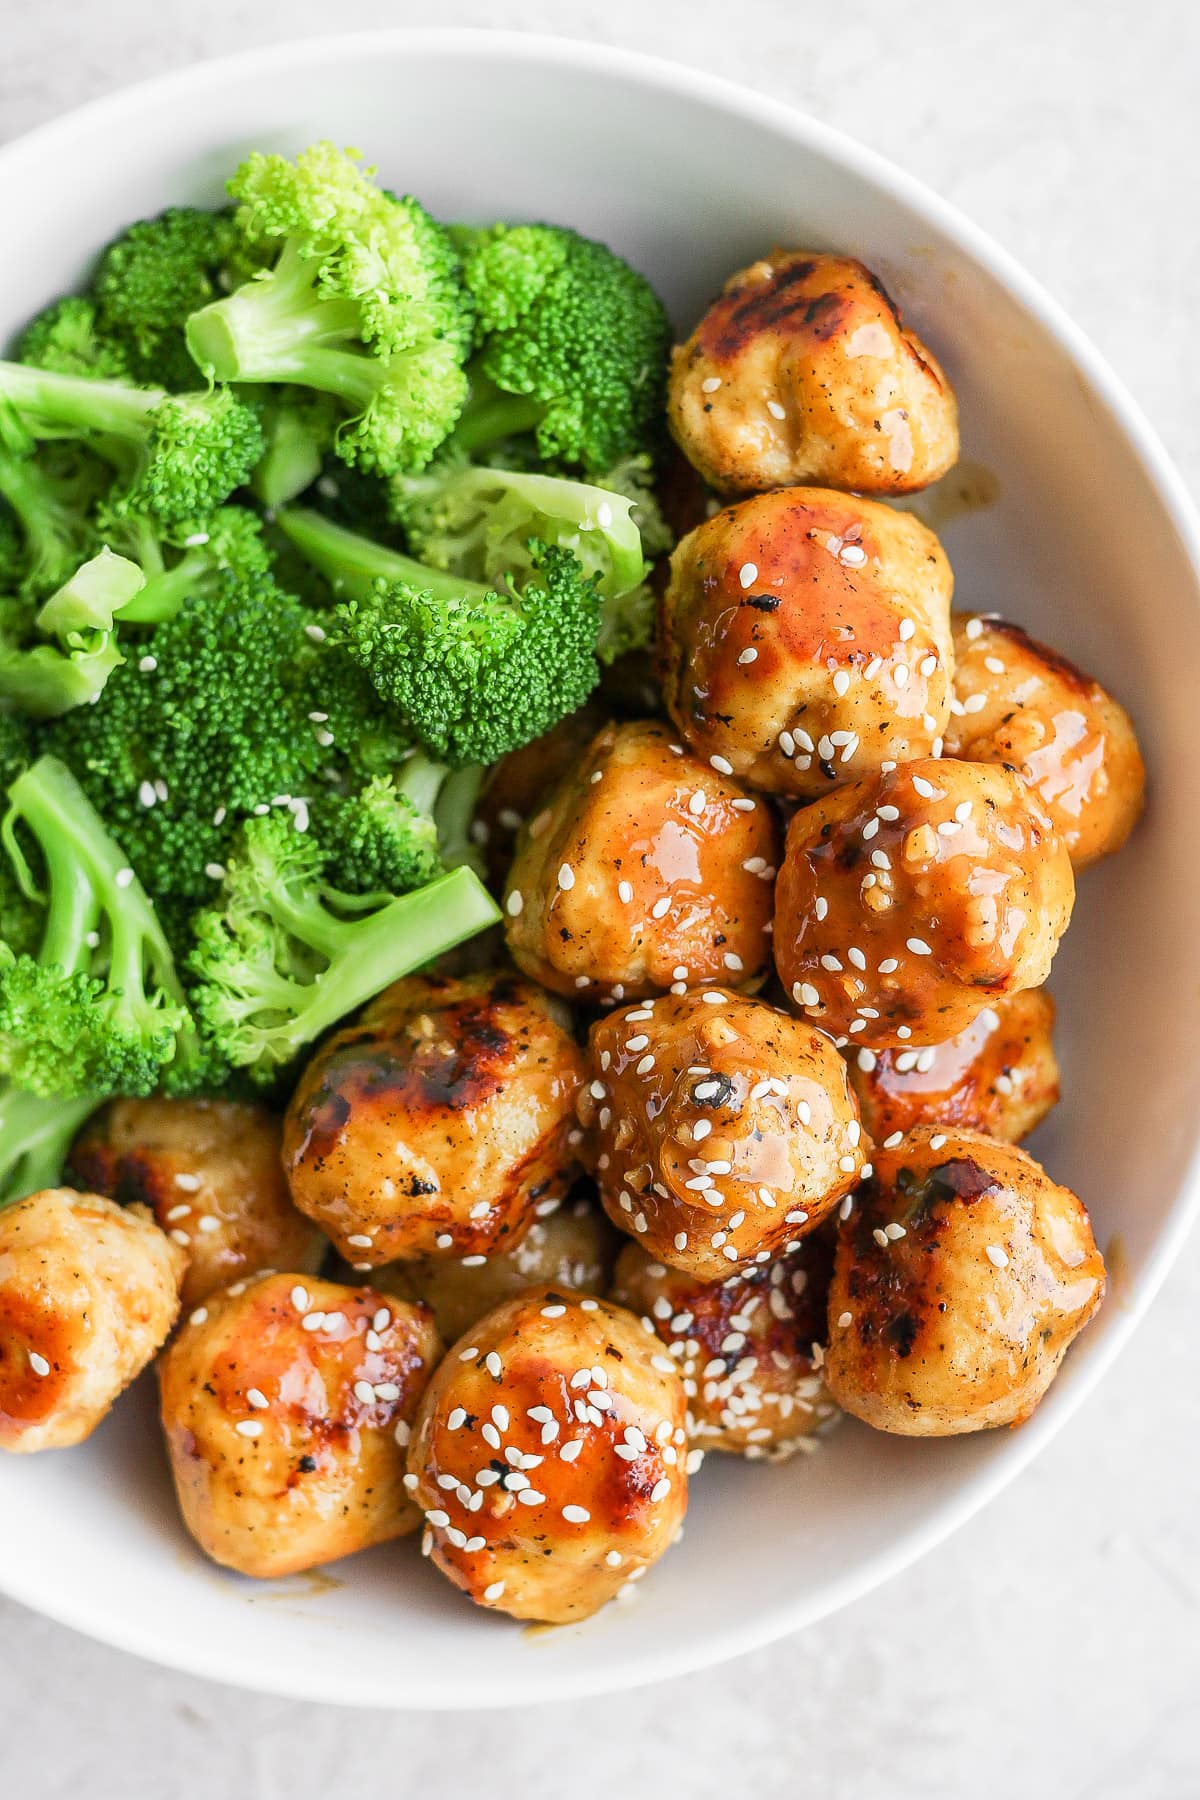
(48, 679)
(68, 338)
(572, 346)
(401, 829)
(283, 955)
(51, 495)
(178, 455)
(363, 302)
(150, 279)
(35, 1138)
(300, 427)
(100, 1008)
(231, 540)
(190, 738)
(474, 670)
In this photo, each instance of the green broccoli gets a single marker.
(148, 281)
(300, 427)
(282, 955)
(99, 1008)
(210, 723)
(364, 302)
(572, 345)
(473, 670)
(178, 455)
(20, 917)
(68, 338)
(36, 1134)
(231, 539)
(52, 495)
(48, 679)
(400, 829)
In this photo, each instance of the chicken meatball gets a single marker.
(287, 1404)
(999, 1076)
(434, 1125)
(803, 370)
(211, 1172)
(521, 782)
(88, 1292)
(1016, 702)
(722, 1130)
(645, 868)
(804, 639)
(574, 1247)
(749, 1348)
(550, 1457)
(961, 1276)
(909, 901)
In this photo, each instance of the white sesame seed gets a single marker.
(571, 1449)
(710, 384)
(312, 1321)
(38, 1363)
(661, 908)
(299, 1298)
(576, 1515)
(148, 664)
(360, 1240)
(123, 878)
(748, 655)
(997, 1257)
(748, 574)
(215, 871)
(918, 946)
(515, 903)
(841, 682)
(845, 1319)
(924, 788)
(199, 1316)
(493, 1365)
(776, 411)
(256, 1398)
(660, 1490)
(566, 878)
(493, 1591)
(249, 1428)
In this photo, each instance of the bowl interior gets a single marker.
(1085, 542)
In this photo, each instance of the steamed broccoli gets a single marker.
(210, 723)
(281, 955)
(474, 670)
(48, 679)
(364, 302)
(36, 1134)
(572, 345)
(68, 338)
(300, 428)
(148, 281)
(178, 455)
(230, 540)
(99, 1008)
(51, 494)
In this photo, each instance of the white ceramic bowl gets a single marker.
(1091, 540)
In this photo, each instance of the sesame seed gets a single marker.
(571, 1449)
(661, 908)
(123, 878)
(38, 1363)
(515, 903)
(576, 1515)
(199, 1316)
(148, 664)
(845, 1319)
(806, 994)
(721, 764)
(997, 1257)
(316, 633)
(748, 655)
(312, 1321)
(566, 878)
(776, 411)
(248, 1428)
(493, 1591)
(710, 384)
(888, 966)
(660, 1490)
(625, 891)
(299, 1298)
(841, 682)
(748, 574)
(866, 1061)
(919, 947)
(360, 1240)
(215, 871)
(924, 788)
(493, 1365)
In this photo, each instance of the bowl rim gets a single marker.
(1123, 412)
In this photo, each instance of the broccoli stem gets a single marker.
(367, 953)
(453, 813)
(275, 328)
(49, 403)
(491, 416)
(353, 564)
(35, 1136)
(165, 591)
(89, 882)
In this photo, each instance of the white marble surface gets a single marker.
(1053, 1647)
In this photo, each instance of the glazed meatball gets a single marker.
(749, 1348)
(962, 1275)
(574, 1247)
(805, 638)
(519, 785)
(722, 1130)
(211, 1172)
(88, 1292)
(287, 1404)
(549, 1456)
(645, 868)
(803, 370)
(999, 1076)
(1016, 702)
(910, 901)
(434, 1125)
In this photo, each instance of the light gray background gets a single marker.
(1053, 1647)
